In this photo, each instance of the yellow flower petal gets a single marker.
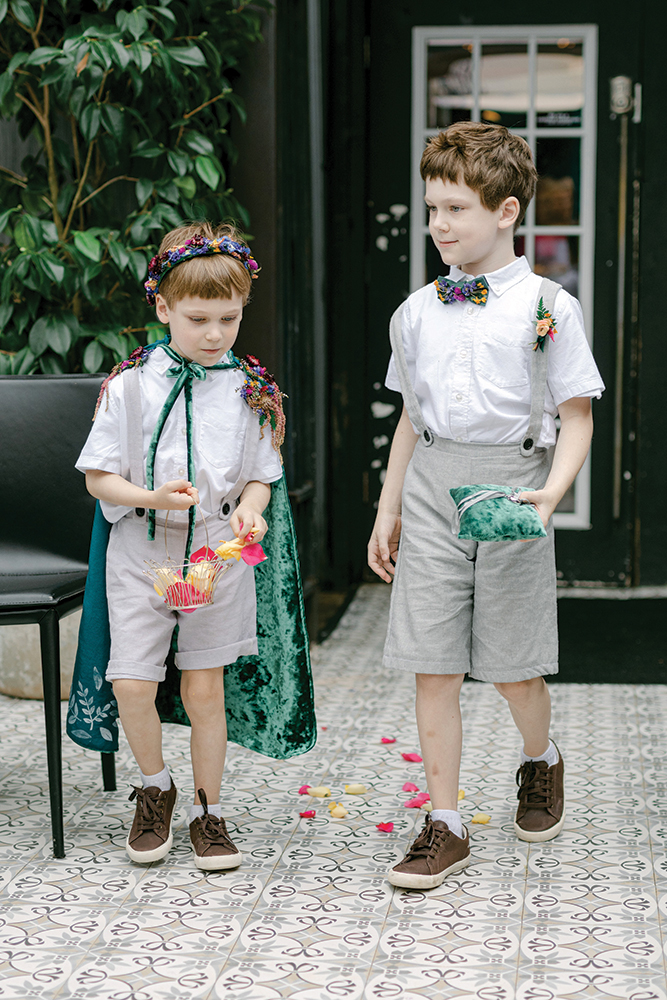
(157, 590)
(355, 789)
(428, 806)
(338, 811)
(320, 792)
(480, 818)
(230, 550)
(462, 794)
(201, 574)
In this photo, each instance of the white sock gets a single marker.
(451, 817)
(550, 755)
(161, 780)
(197, 811)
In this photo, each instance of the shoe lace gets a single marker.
(213, 828)
(536, 786)
(151, 809)
(428, 841)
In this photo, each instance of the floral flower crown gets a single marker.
(197, 246)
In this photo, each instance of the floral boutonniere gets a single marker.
(544, 327)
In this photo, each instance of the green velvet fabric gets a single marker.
(499, 519)
(269, 697)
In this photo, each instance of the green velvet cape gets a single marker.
(269, 697)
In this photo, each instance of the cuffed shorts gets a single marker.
(483, 608)
(141, 623)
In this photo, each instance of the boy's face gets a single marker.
(466, 233)
(202, 330)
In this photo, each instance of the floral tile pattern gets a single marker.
(309, 915)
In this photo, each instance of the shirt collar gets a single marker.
(502, 279)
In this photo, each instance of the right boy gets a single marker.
(462, 361)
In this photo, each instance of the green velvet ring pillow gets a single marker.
(496, 519)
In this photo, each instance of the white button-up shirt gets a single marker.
(219, 423)
(470, 365)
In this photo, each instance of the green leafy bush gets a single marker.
(128, 107)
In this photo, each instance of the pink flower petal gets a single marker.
(308, 814)
(409, 786)
(201, 554)
(324, 727)
(385, 827)
(418, 801)
(412, 757)
(253, 554)
(388, 739)
(304, 789)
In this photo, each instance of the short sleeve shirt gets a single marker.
(470, 364)
(220, 421)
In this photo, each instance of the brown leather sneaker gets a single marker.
(212, 847)
(150, 837)
(435, 854)
(541, 812)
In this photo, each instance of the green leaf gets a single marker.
(24, 13)
(4, 218)
(154, 331)
(37, 338)
(240, 107)
(119, 254)
(51, 365)
(17, 61)
(141, 55)
(136, 23)
(148, 149)
(58, 336)
(198, 143)
(44, 54)
(179, 162)
(119, 54)
(113, 121)
(53, 267)
(138, 265)
(188, 186)
(89, 121)
(188, 55)
(28, 232)
(208, 171)
(143, 190)
(6, 310)
(3, 10)
(6, 81)
(24, 362)
(88, 245)
(93, 357)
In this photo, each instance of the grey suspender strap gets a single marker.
(538, 373)
(407, 391)
(135, 429)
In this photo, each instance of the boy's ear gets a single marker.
(509, 212)
(161, 308)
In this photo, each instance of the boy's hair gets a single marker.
(214, 277)
(487, 158)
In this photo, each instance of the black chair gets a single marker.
(46, 515)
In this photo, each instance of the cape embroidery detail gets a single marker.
(137, 357)
(262, 395)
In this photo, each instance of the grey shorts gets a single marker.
(141, 623)
(483, 608)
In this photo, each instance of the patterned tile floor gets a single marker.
(309, 916)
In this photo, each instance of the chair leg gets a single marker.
(109, 771)
(49, 635)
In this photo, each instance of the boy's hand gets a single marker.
(544, 502)
(383, 545)
(178, 494)
(246, 522)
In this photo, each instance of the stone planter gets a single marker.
(21, 662)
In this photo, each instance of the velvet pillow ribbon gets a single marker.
(475, 289)
(185, 374)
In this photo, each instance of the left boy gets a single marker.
(177, 417)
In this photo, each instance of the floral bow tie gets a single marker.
(477, 290)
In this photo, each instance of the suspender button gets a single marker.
(139, 511)
(225, 509)
(427, 436)
(528, 444)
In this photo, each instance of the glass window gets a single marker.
(449, 84)
(504, 90)
(559, 96)
(558, 195)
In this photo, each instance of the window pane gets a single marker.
(520, 245)
(449, 83)
(559, 166)
(559, 99)
(504, 84)
(557, 257)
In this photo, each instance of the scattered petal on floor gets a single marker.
(414, 758)
(308, 814)
(320, 792)
(388, 739)
(427, 806)
(385, 827)
(462, 794)
(418, 801)
(337, 809)
(304, 790)
(410, 786)
(480, 818)
(355, 789)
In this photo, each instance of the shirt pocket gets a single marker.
(504, 361)
(221, 443)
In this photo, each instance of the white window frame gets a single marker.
(532, 36)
